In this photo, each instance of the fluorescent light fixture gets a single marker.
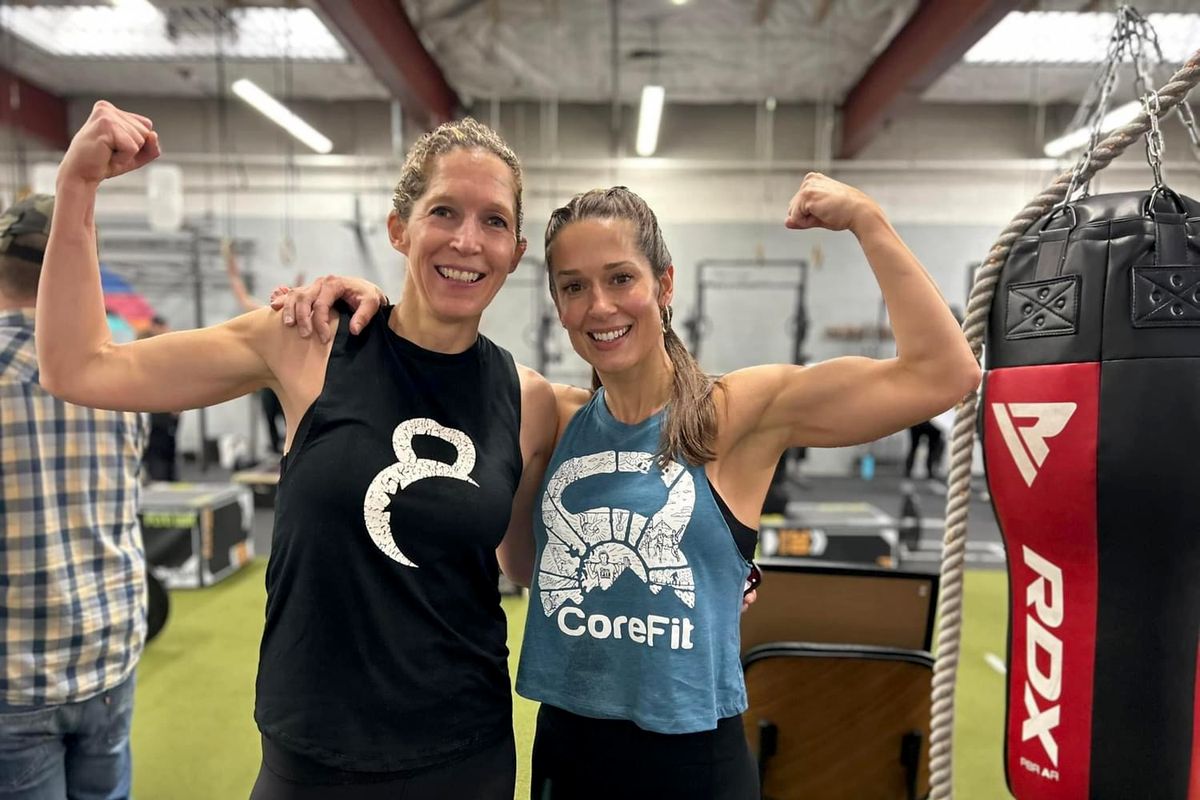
(1062, 37)
(648, 119)
(1122, 115)
(281, 115)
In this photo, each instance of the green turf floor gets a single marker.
(194, 734)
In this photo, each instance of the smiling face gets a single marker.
(607, 296)
(461, 234)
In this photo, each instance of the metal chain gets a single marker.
(987, 277)
(1146, 76)
(1093, 110)
(1154, 142)
(1144, 34)
(1134, 37)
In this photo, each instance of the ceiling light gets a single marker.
(679, 2)
(1061, 37)
(281, 115)
(648, 118)
(1122, 115)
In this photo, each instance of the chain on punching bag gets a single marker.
(1092, 309)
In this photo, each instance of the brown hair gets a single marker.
(691, 427)
(19, 276)
(465, 134)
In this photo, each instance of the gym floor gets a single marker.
(194, 734)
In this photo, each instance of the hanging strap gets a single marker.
(1170, 239)
(1052, 253)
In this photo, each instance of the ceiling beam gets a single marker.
(33, 111)
(934, 39)
(385, 39)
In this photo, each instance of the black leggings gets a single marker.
(489, 774)
(581, 758)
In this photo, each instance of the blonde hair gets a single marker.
(463, 134)
(690, 431)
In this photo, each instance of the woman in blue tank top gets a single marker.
(631, 639)
(383, 667)
(642, 534)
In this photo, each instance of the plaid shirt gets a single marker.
(72, 569)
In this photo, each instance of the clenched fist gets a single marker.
(111, 142)
(823, 202)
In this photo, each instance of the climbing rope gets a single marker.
(979, 305)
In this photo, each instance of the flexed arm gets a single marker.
(77, 358)
(850, 400)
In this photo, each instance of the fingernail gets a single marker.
(288, 320)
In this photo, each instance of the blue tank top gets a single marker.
(637, 591)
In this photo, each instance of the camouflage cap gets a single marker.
(31, 215)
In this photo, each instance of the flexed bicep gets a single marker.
(834, 403)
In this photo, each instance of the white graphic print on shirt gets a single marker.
(589, 550)
(408, 470)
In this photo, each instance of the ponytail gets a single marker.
(690, 431)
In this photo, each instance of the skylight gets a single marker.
(1059, 37)
(137, 31)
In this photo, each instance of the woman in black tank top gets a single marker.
(383, 669)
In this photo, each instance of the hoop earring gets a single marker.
(667, 314)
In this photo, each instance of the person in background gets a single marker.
(72, 568)
(934, 432)
(161, 460)
(272, 409)
(931, 433)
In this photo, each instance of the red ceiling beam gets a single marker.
(33, 111)
(934, 39)
(382, 34)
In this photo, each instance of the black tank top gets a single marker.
(384, 647)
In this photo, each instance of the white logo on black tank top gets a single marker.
(408, 470)
(589, 550)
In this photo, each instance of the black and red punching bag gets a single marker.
(1091, 434)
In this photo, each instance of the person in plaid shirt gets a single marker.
(72, 568)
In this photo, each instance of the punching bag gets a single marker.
(1091, 432)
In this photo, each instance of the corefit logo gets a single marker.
(1028, 442)
(587, 551)
(1045, 594)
